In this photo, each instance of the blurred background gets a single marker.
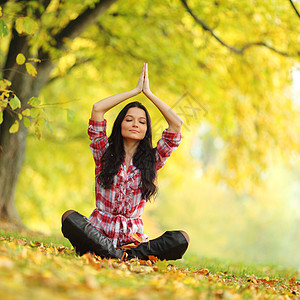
(230, 69)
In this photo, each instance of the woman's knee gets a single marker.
(185, 235)
(67, 213)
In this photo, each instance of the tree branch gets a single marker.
(207, 28)
(231, 48)
(294, 7)
(19, 43)
(73, 29)
(80, 24)
(247, 46)
(3, 2)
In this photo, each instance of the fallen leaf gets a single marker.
(153, 259)
(137, 238)
(202, 271)
(5, 262)
(293, 279)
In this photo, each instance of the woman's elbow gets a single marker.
(179, 124)
(176, 127)
(97, 113)
(97, 108)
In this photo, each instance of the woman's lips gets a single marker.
(134, 131)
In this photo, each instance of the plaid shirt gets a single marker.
(118, 209)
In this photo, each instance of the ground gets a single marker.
(38, 267)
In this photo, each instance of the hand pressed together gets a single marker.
(143, 83)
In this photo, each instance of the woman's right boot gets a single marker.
(85, 238)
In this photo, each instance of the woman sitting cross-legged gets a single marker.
(126, 166)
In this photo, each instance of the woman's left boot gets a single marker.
(170, 246)
(85, 238)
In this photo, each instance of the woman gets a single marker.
(126, 165)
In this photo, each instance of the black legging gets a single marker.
(85, 238)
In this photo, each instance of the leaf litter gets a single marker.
(35, 270)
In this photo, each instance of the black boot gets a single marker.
(170, 246)
(85, 238)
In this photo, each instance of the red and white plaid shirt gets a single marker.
(118, 209)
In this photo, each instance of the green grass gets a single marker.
(194, 262)
(190, 261)
(35, 236)
(47, 270)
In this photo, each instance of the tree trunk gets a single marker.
(12, 146)
(11, 160)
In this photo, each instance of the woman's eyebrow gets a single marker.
(133, 117)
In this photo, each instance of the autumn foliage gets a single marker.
(33, 269)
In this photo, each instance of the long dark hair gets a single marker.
(143, 159)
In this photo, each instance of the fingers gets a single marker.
(146, 79)
(146, 71)
(141, 80)
(143, 69)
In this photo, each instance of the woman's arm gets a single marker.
(102, 106)
(174, 121)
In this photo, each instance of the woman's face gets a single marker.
(134, 125)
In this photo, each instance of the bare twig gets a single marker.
(247, 46)
(294, 7)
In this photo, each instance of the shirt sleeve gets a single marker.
(165, 146)
(99, 141)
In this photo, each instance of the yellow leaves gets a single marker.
(20, 59)
(36, 60)
(5, 94)
(30, 69)
(14, 127)
(19, 25)
(15, 103)
(292, 280)
(4, 83)
(28, 265)
(5, 262)
(137, 238)
(91, 282)
(26, 25)
(80, 42)
(3, 29)
(202, 271)
(134, 265)
(26, 112)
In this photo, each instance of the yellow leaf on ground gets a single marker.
(136, 237)
(5, 262)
